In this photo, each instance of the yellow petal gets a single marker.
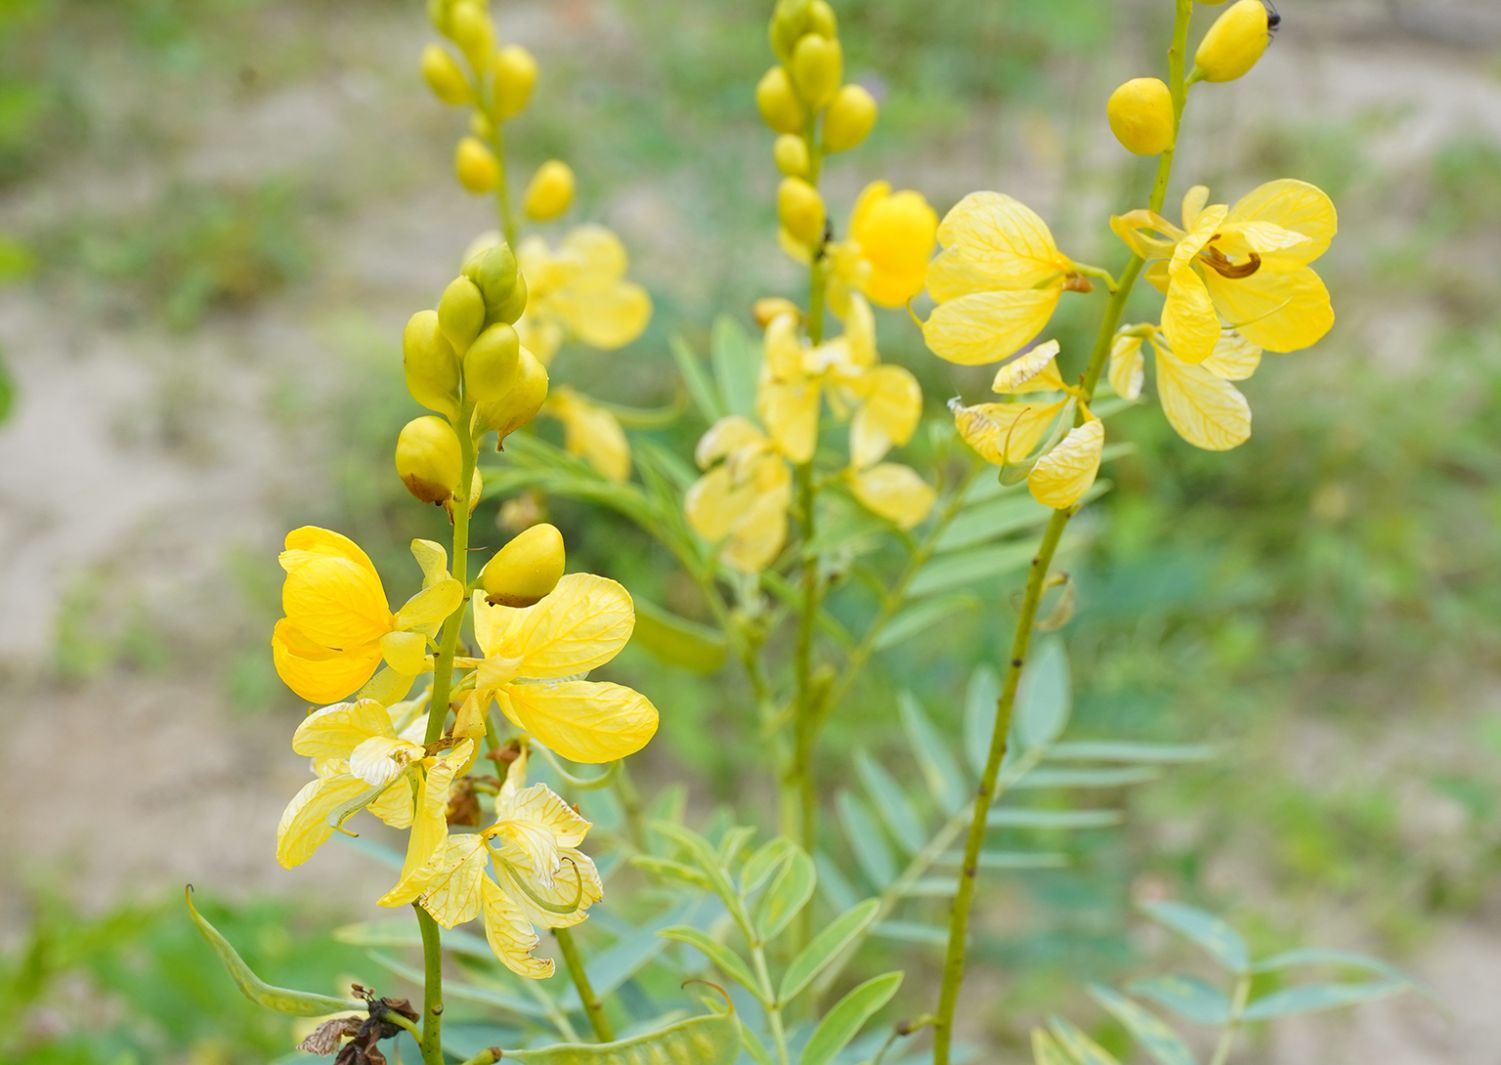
(790, 411)
(890, 408)
(894, 492)
(1188, 319)
(989, 326)
(426, 611)
(1127, 366)
(433, 559)
(1295, 205)
(577, 883)
(308, 819)
(539, 805)
(584, 721)
(725, 436)
(595, 251)
(1193, 205)
(405, 652)
(1005, 433)
(1146, 233)
(316, 673)
(1064, 474)
(1205, 410)
(1235, 358)
(581, 625)
(332, 592)
(396, 805)
(1035, 370)
(429, 825)
(708, 507)
(895, 234)
(760, 530)
(379, 759)
(782, 348)
(991, 242)
(592, 433)
(511, 935)
(451, 890)
(387, 687)
(335, 731)
(1279, 311)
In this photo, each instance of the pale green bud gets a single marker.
(430, 364)
(490, 363)
(461, 313)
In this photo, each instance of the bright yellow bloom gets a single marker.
(522, 872)
(1025, 432)
(591, 432)
(1245, 265)
(886, 256)
(579, 290)
(533, 659)
(996, 282)
(1198, 399)
(741, 501)
(339, 625)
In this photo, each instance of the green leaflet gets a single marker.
(713, 1039)
(281, 999)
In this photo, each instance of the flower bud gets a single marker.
(476, 165)
(521, 401)
(443, 76)
(428, 459)
(1234, 42)
(778, 104)
(821, 19)
(470, 28)
(461, 313)
(526, 569)
(800, 210)
(850, 119)
(769, 308)
(1141, 116)
(490, 363)
(793, 19)
(431, 366)
(550, 192)
(817, 69)
(493, 269)
(791, 155)
(515, 77)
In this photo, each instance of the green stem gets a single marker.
(502, 187)
(1232, 1023)
(431, 1044)
(594, 1009)
(488, 1056)
(768, 994)
(800, 789)
(630, 804)
(964, 897)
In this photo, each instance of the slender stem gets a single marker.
(954, 958)
(630, 803)
(768, 994)
(431, 1044)
(401, 1022)
(488, 1056)
(448, 641)
(594, 1009)
(1232, 1023)
(502, 186)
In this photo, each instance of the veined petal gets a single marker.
(426, 611)
(1276, 310)
(335, 731)
(1062, 476)
(405, 652)
(1035, 370)
(544, 808)
(396, 805)
(511, 934)
(433, 558)
(1127, 366)
(316, 673)
(429, 825)
(1235, 358)
(1004, 433)
(578, 883)
(890, 408)
(584, 721)
(992, 242)
(988, 326)
(582, 624)
(1205, 410)
(452, 878)
(1188, 319)
(1294, 205)
(379, 759)
(307, 823)
(332, 592)
(894, 492)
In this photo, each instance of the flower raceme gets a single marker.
(1246, 266)
(339, 626)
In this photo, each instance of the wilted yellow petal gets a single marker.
(582, 624)
(1004, 433)
(429, 824)
(308, 819)
(894, 492)
(396, 804)
(335, 731)
(539, 805)
(890, 408)
(577, 884)
(988, 326)
(511, 935)
(316, 673)
(1062, 476)
(1035, 370)
(1127, 366)
(1205, 410)
(1235, 358)
(451, 883)
(1279, 311)
(584, 721)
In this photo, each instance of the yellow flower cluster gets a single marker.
(539, 633)
(743, 499)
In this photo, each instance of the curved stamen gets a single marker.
(562, 910)
(1223, 266)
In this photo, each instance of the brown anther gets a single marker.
(1223, 266)
(1077, 283)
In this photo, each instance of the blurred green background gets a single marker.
(215, 217)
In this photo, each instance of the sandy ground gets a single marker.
(96, 490)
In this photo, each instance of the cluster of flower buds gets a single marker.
(1141, 112)
(804, 101)
(496, 81)
(465, 361)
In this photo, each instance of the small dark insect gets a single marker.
(1273, 19)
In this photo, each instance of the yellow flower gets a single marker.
(339, 625)
(591, 432)
(533, 657)
(996, 282)
(741, 501)
(892, 491)
(1198, 399)
(1025, 432)
(1246, 265)
(521, 872)
(579, 290)
(361, 761)
(886, 256)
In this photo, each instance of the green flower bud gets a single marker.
(443, 76)
(430, 364)
(850, 119)
(494, 271)
(526, 569)
(519, 404)
(428, 459)
(490, 363)
(778, 104)
(817, 69)
(461, 313)
(1141, 116)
